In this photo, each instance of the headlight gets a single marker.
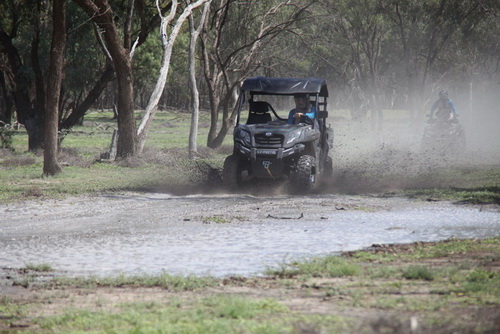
(245, 137)
(293, 137)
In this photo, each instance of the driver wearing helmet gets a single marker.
(302, 108)
(444, 108)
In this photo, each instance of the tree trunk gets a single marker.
(126, 145)
(217, 141)
(100, 12)
(50, 164)
(8, 96)
(21, 82)
(195, 100)
(168, 43)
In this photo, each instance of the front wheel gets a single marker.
(303, 178)
(231, 172)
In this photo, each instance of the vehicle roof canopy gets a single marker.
(285, 86)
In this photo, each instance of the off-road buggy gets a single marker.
(267, 147)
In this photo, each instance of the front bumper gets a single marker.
(273, 163)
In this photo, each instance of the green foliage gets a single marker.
(418, 272)
(329, 266)
(480, 275)
(6, 133)
(376, 53)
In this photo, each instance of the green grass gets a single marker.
(458, 281)
(216, 220)
(169, 129)
(26, 181)
(42, 267)
(473, 195)
(418, 273)
(213, 314)
(475, 185)
(328, 266)
(164, 281)
(451, 247)
(164, 161)
(210, 314)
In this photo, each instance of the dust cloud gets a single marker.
(377, 154)
(384, 153)
(480, 115)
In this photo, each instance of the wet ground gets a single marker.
(219, 235)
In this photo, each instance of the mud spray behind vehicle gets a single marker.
(267, 147)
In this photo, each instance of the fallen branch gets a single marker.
(274, 217)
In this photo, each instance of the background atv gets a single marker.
(266, 147)
(443, 136)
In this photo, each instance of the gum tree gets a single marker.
(168, 37)
(102, 14)
(50, 163)
(234, 42)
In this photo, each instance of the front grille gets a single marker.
(272, 141)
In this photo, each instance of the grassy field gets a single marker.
(165, 163)
(165, 160)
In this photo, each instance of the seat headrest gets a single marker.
(259, 107)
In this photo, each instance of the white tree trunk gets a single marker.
(195, 100)
(168, 43)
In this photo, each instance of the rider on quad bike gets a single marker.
(274, 143)
(443, 134)
(446, 109)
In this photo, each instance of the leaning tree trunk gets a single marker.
(168, 44)
(92, 96)
(50, 164)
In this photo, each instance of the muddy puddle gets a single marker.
(219, 235)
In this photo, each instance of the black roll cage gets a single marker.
(315, 87)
